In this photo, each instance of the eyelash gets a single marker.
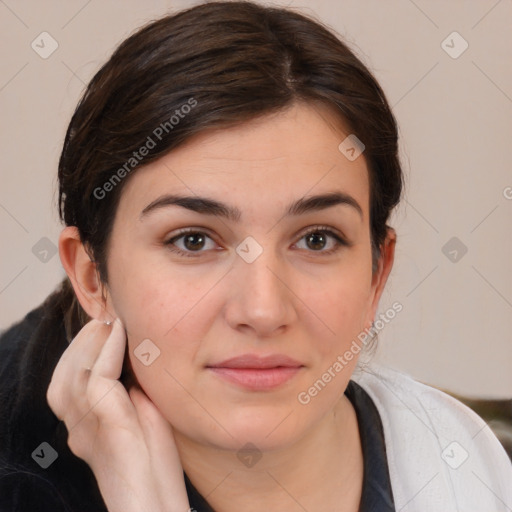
(340, 242)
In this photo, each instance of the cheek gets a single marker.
(170, 319)
(154, 302)
(161, 316)
(338, 304)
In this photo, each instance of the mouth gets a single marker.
(257, 373)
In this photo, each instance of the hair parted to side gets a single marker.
(234, 61)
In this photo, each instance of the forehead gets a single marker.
(270, 160)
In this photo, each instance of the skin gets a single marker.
(293, 300)
(121, 435)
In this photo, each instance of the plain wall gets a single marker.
(455, 117)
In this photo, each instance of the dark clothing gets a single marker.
(68, 484)
(377, 495)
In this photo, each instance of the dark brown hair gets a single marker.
(233, 62)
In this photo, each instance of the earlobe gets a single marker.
(83, 274)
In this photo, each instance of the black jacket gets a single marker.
(26, 368)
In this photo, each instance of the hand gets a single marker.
(121, 435)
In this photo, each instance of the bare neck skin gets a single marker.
(322, 471)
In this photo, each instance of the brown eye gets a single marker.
(194, 241)
(191, 242)
(317, 239)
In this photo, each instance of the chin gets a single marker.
(266, 430)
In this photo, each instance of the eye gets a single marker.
(318, 237)
(193, 242)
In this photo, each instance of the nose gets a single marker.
(262, 298)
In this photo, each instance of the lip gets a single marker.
(254, 361)
(257, 373)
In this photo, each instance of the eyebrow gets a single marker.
(208, 206)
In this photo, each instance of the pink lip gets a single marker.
(255, 361)
(257, 373)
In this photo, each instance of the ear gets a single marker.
(84, 276)
(380, 277)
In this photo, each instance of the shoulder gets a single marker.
(13, 340)
(14, 348)
(437, 444)
(29, 352)
(31, 347)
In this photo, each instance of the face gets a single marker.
(249, 278)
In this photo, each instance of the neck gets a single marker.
(323, 470)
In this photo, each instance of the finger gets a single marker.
(69, 377)
(86, 346)
(165, 461)
(109, 363)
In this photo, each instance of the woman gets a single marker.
(226, 244)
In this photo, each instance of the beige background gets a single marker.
(455, 117)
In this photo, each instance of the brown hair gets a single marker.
(233, 62)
